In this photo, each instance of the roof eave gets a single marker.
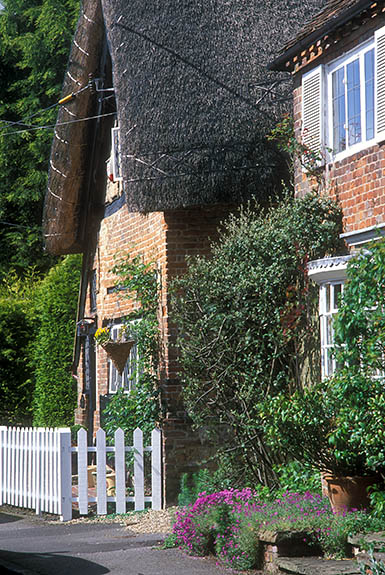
(280, 63)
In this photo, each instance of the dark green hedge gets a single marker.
(55, 301)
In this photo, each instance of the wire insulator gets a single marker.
(66, 99)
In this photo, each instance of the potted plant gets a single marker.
(330, 427)
(117, 349)
(338, 425)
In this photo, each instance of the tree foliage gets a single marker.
(244, 316)
(34, 44)
(55, 304)
(338, 425)
(17, 329)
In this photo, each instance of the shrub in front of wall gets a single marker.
(55, 304)
(338, 425)
(247, 324)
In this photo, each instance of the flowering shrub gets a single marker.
(215, 523)
(227, 523)
(102, 335)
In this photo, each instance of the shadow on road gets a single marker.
(50, 563)
(5, 518)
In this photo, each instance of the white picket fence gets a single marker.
(36, 471)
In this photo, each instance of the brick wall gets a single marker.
(356, 182)
(166, 238)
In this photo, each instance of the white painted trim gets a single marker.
(328, 269)
(379, 136)
(344, 60)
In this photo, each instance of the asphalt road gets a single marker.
(32, 546)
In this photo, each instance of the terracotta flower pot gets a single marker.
(347, 493)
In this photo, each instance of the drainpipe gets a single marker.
(84, 336)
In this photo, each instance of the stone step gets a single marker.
(375, 540)
(317, 566)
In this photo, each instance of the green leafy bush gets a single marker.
(296, 477)
(191, 487)
(246, 323)
(55, 304)
(338, 425)
(17, 331)
(35, 38)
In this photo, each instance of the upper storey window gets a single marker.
(343, 103)
(351, 95)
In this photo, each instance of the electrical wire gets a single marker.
(52, 126)
(19, 226)
(59, 103)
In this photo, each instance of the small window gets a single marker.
(343, 103)
(115, 159)
(351, 101)
(129, 378)
(92, 290)
(330, 298)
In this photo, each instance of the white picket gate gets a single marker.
(36, 471)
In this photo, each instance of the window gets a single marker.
(129, 378)
(351, 101)
(330, 296)
(343, 103)
(93, 291)
(115, 155)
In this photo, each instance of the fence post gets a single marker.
(83, 472)
(138, 469)
(65, 474)
(3, 431)
(120, 471)
(101, 485)
(156, 469)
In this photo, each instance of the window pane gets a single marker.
(338, 88)
(329, 330)
(354, 102)
(369, 93)
(336, 295)
(327, 298)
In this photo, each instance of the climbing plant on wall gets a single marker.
(138, 281)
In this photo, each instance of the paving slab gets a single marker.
(33, 546)
(317, 566)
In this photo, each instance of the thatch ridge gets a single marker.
(64, 209)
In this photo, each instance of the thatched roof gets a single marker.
(67, 177)
(194, 102)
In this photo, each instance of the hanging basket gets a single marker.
(118, 352)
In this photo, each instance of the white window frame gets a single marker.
(343, 61)
(116, 158)
(327, 315)
(317, 110)
(129, 378)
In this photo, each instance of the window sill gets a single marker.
(362, 146)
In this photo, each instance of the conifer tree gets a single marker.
(35, 37)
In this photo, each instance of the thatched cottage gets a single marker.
(173, 99)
